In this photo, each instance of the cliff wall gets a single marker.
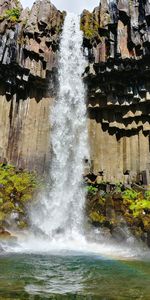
(29, 43)
(117, 49)
(117, 46)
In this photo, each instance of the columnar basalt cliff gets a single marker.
(29, 43)
(117, 46)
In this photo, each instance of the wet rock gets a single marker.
(148, 238)
(119, 234)
(4, 234)
(110, 212)
(105, 233)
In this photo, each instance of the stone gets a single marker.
(4, 234)
(118, 116)
(148, 238)
(119, 234)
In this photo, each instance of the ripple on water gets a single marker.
(24, 276)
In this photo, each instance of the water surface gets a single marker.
(28, 276)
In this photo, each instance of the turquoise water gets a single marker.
(37, 277)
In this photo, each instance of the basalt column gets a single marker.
(117, 47)
(29, 42)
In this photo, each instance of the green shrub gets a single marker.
(89, 26)
(139, 207)
(16, 189)
(147, 195)
(130, 194)
(92, 189)
(137, 202)
(12, 14)
(97, 217)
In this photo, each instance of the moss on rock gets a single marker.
(17, 188)
(116, 209)
(13, 14)
(89, 25)
(97, 217)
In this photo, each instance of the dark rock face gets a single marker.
(121, 26)
(29, 42)
(117, 46)
(28, 45)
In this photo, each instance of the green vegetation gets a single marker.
(92, 189)
(17, 188)
(118, 208)
(97, 217)
(13, 14)
(95, 205)
(89, 32)
(140, 206)
(138, 203)
(130, 195)
(89, 26)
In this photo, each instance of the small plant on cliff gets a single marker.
(137, 202)
(141, 205)
(89, 26)
(13, 14)
(147, 195)
(92, 189)
(129, 196)
(97, 217)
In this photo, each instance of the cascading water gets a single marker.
(62, 211)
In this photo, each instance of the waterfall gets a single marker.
(57, 219)
(61, 213)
